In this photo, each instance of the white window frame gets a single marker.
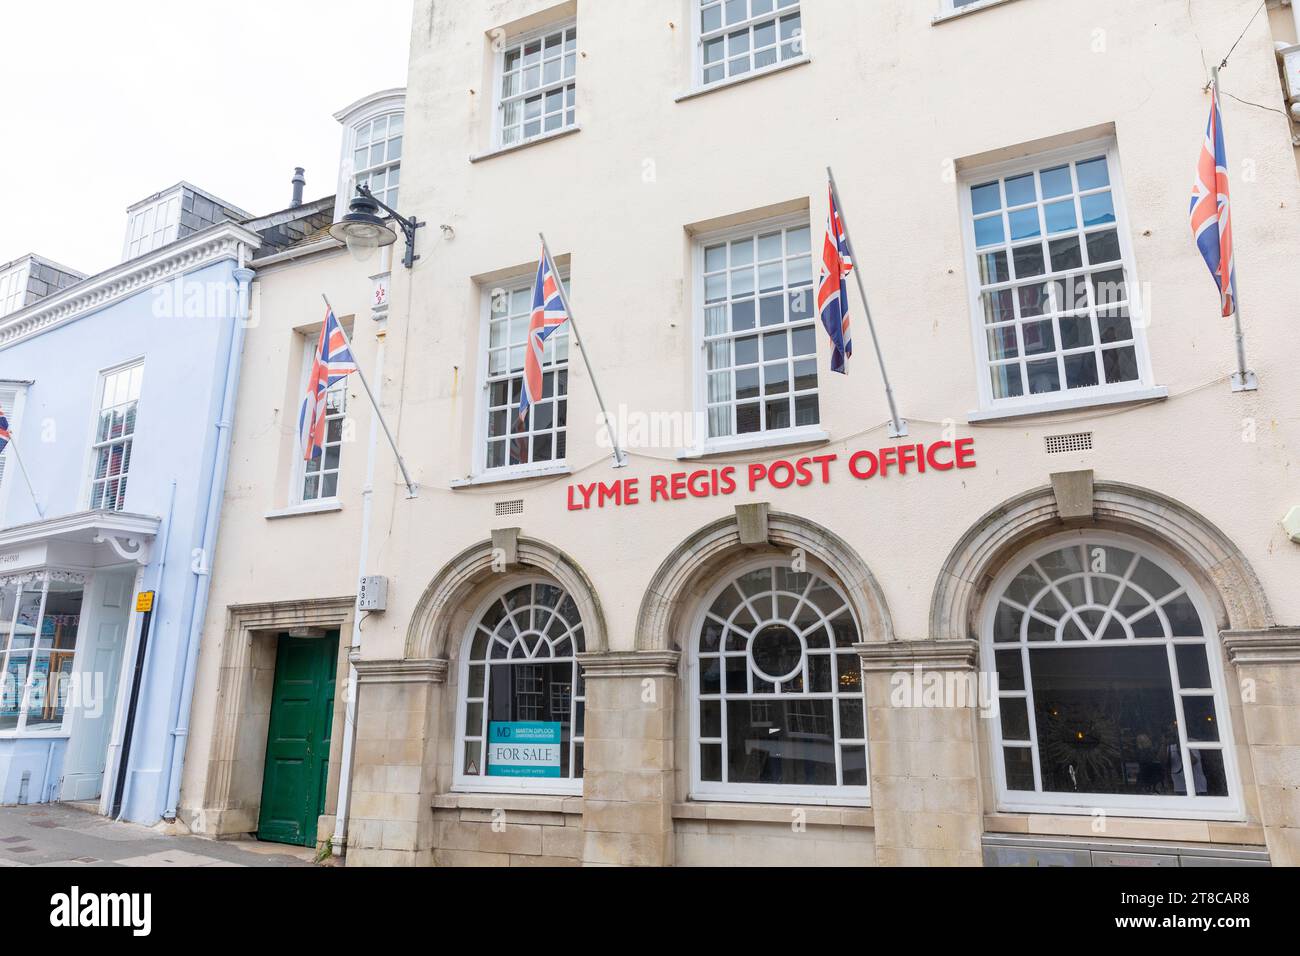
(839, 796)
(703, 444)
(1157, 807)
(96, 408)
(8, 468)
(1064, 398)
(153, 226)
(298, 477)
(353, 118)
(952, 8)
(498, 77)
(482, 783)
(698, 38)
(13, 287)
(479, 469)
(45, 577)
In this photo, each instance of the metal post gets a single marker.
(1243, 380)
(406, 476)
(897, 427)
(619, 460)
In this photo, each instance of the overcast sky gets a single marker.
(106, 103)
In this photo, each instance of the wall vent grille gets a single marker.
(1061, 444)
(515, 507)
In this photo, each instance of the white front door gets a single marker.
(98, 664)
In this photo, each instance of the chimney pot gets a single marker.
(299, 181)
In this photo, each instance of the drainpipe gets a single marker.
(216, 495)
(367, 506)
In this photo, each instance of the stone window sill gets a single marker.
(297, 511)
(746, 78)
(535, 141)
(775, 813)
(520, 803)
(965, 11)
(1051, 406)
(1126, 828)
(507, 477)
(758, 442)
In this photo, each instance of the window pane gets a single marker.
(1106, 721)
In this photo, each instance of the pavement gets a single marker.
(61, 834)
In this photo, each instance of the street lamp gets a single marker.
(364, 231)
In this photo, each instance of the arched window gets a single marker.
(776, 689)
(1110, 690)
(521, 693)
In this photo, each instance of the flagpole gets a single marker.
(619, 460)
(1244, 380)
(411, 491)
(40, 512)
(897, 427)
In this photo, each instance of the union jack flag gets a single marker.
(833, 290)
(4, 430)
(548, 315)
(332, 363)
(1211, 212)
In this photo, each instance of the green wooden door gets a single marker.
(298, 743)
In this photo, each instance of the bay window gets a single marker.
(40, 616)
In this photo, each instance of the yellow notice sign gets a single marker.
(144, 601)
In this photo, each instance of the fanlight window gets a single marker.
(1107, 683)
(523, 700)
(779, 709)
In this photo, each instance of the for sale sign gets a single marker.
(523, 749)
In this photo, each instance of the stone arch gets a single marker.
(693, 566)
(463, 581)
(1223, 572)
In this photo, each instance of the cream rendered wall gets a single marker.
(303, 558)
(891, 100)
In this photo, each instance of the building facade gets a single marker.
(749, 645)
(116, 389)
(281, 620)
(1052, 620)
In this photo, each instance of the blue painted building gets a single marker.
(119, 390)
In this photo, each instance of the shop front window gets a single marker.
(778, 697)
(522, 697)
(39, 621)
(1109, 688)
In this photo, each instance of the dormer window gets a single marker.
(376, 157)
(174, 214)
(13, 288)
(372, 148)
(153, 226)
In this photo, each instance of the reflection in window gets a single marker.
(779, 689)
(377, 157)
(538, 93)
(1105, 680)
(1053, 280)
(39, 621)
(114, 437)
(739, 37)
(543, 435)
(522, 669)
(760, 337)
